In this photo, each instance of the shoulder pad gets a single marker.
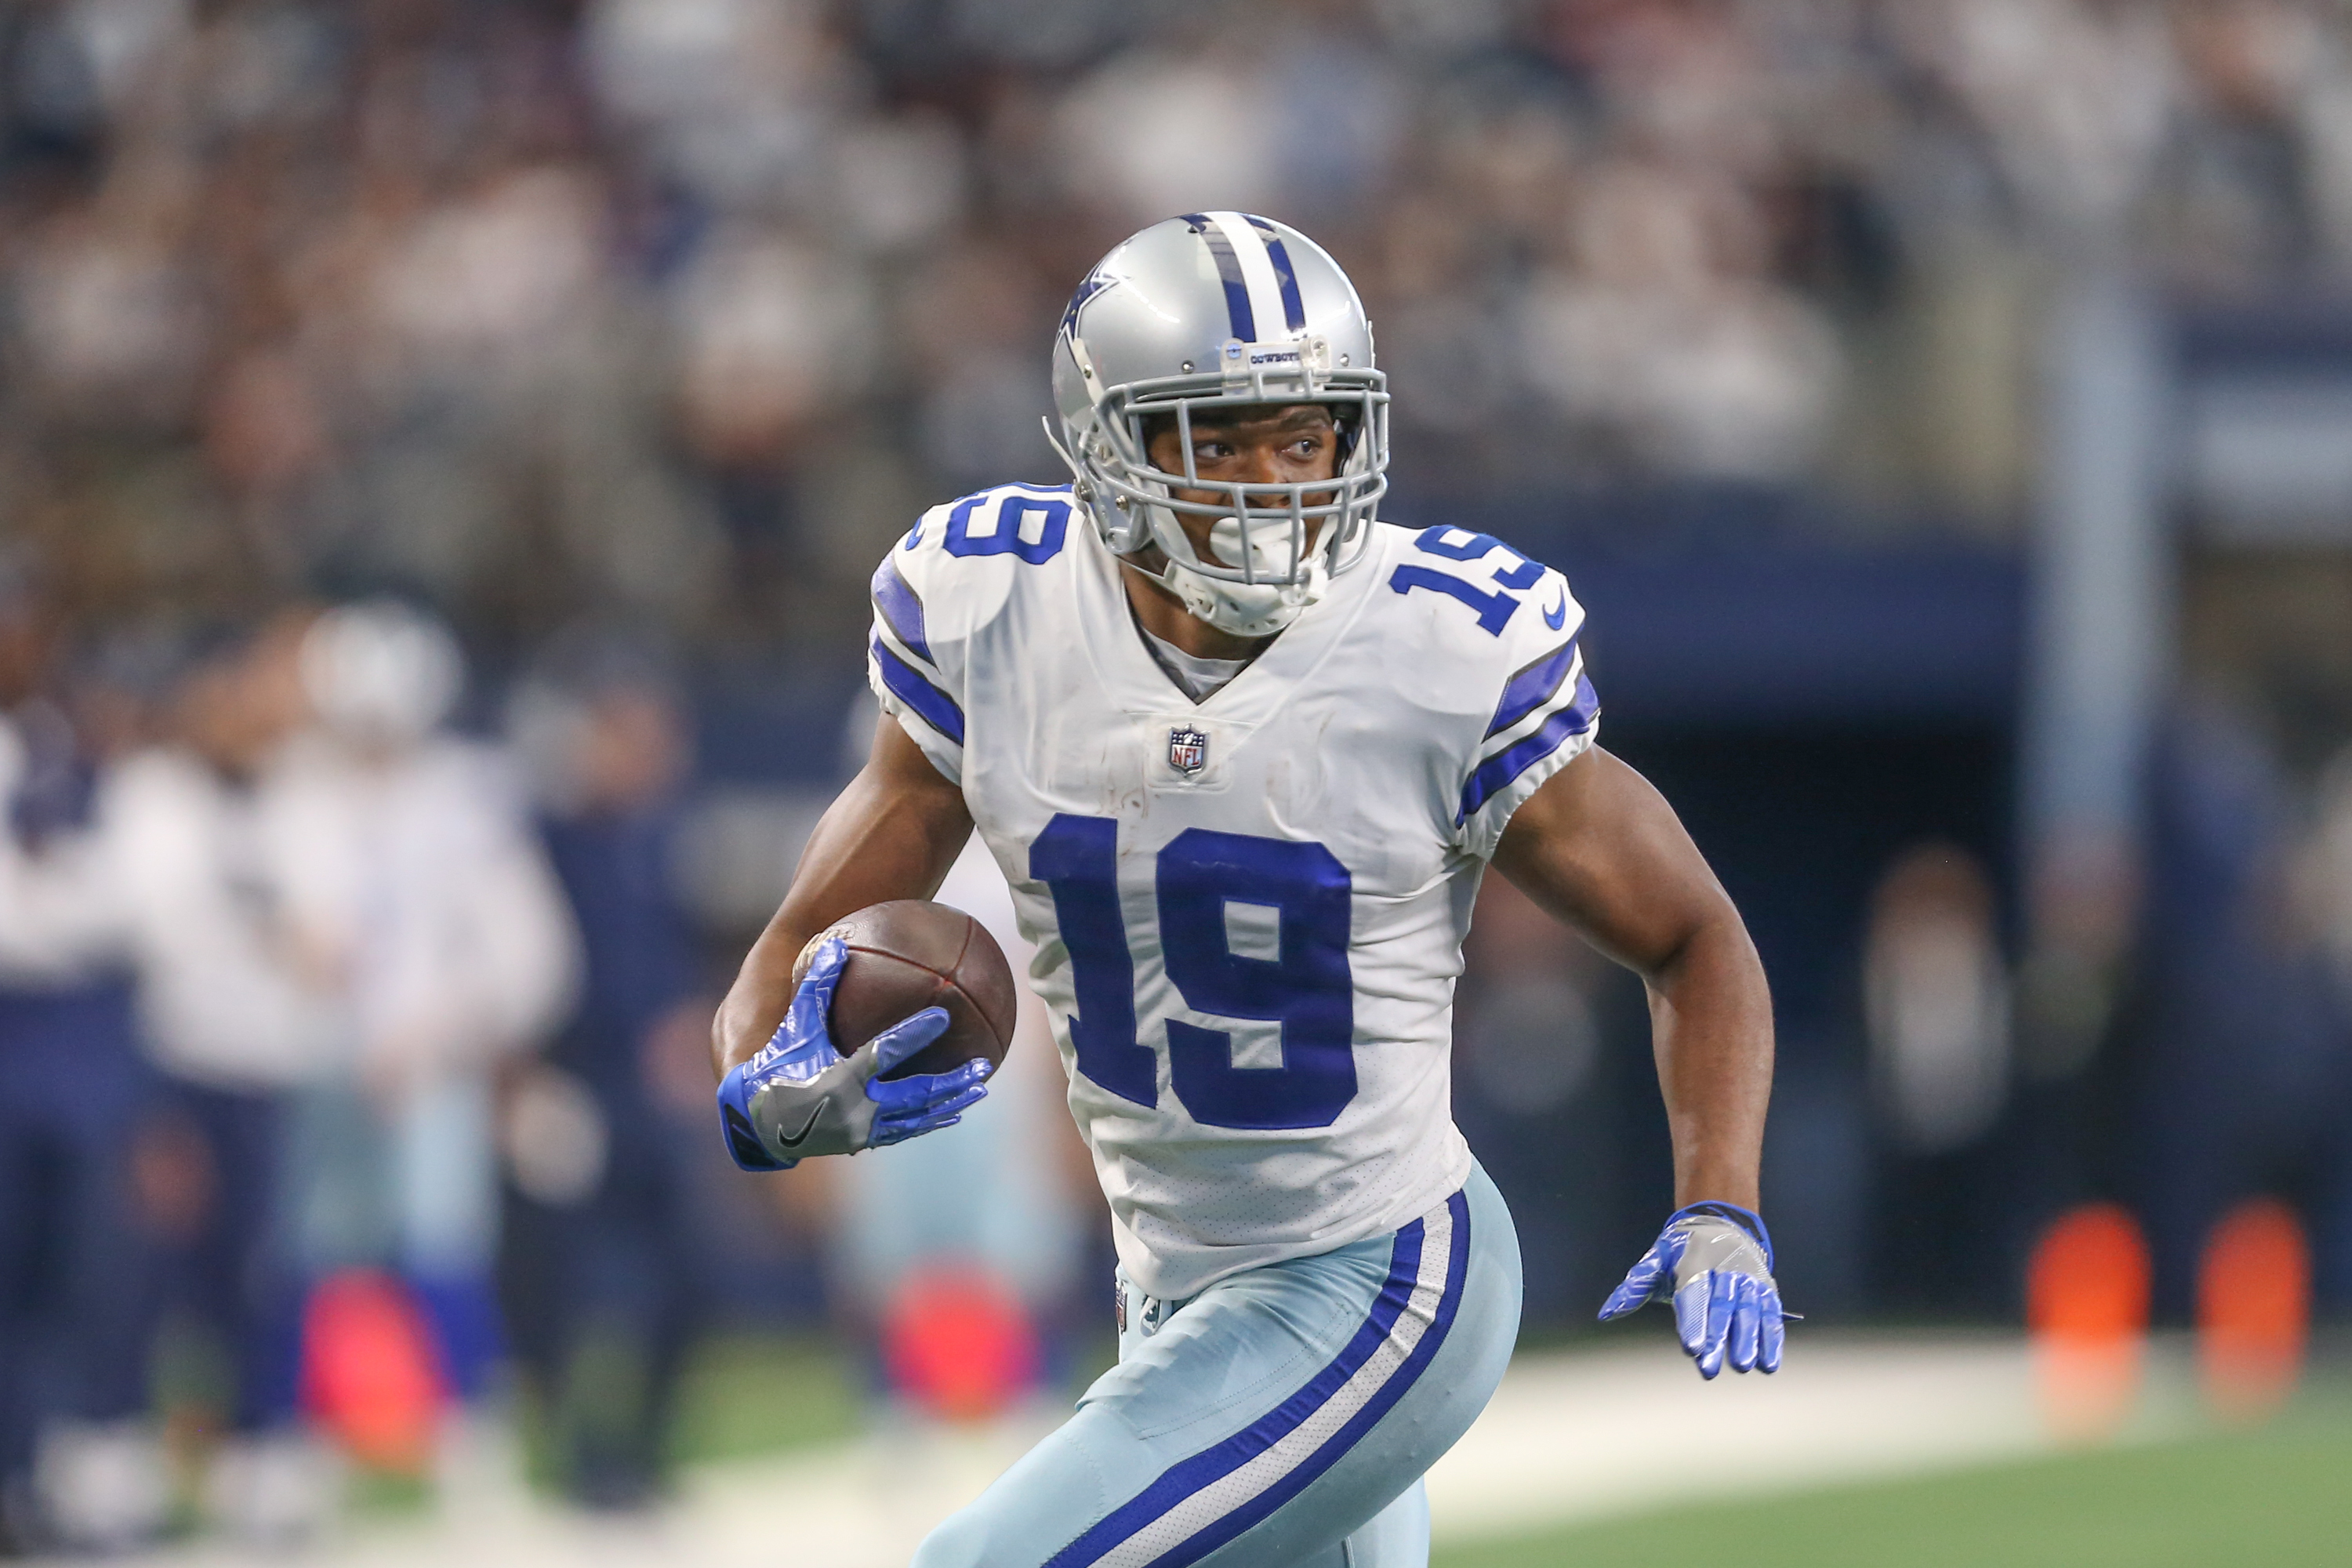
(1509, 598)
(1506, 629)
(949, 578)
(1025, 523)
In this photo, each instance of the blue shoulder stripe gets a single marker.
(1531, 687)
(935, 708)
(1495, 774)
(901, 608)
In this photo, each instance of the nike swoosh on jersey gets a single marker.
(1557, 616)
(806, 1128)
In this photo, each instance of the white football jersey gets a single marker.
(1248, 912)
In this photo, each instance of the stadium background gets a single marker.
(1945, 412)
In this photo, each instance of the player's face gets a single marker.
(1278, 444)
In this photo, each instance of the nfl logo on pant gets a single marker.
(1188, 749)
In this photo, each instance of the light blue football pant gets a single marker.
(1282, 1418)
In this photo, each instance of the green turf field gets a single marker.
(2280, 1500)
(749, 1394)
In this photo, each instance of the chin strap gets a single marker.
(1243, 609)
(1120, 530)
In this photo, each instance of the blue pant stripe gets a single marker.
(1261, 1507)
(1182, 1479)
(1211, 1465)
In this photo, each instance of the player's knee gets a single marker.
(962, 1541)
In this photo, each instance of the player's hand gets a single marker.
(1713, 1261)
(799, 1096)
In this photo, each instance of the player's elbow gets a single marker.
(1710, 944)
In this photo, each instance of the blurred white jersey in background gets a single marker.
(182, 874)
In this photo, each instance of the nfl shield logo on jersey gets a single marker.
(1188, 749)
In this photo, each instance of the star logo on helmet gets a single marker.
(1094, 283)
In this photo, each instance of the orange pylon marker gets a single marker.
(2087, 1299)
(2254, 1310)
(959, 1342)
(371, 1375)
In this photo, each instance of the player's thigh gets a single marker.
(1361, 1499)
(1272, 1418)
(1396, 1537)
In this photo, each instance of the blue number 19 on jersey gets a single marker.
(1303, 983)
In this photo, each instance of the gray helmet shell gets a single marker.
(1214, 310)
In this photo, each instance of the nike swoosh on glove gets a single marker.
(1713, 1261)
(799, 1096)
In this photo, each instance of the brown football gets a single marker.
(910, 954)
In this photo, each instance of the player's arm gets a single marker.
(785, 1090)
(1600, 848)
(891, 834)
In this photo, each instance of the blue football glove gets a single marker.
(799, 1096)
(1713, 1261)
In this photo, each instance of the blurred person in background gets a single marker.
(1936, 1002)
(77, 1462)
(1662, 339)
(1936, 995)
(603, 1259)
(184, 875)
(1537, 1097)
(2237, 1082)
(2324, 897)
(448, 931)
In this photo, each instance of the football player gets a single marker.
(1244, 752)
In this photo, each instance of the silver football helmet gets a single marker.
(380, 674)
(1215, 310)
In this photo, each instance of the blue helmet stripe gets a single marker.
(1294, 309)
(1229, 273)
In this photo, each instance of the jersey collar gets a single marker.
(1137, 683)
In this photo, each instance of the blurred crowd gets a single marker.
(355, 1098)
(279, 956)
(678, 308)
